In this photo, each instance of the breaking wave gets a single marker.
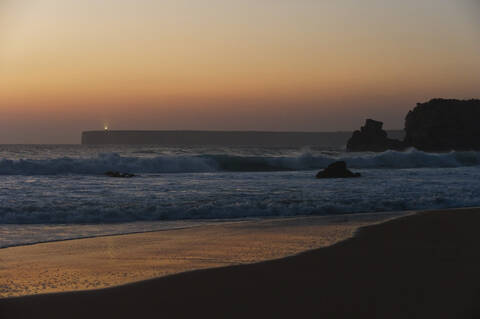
(234, 163)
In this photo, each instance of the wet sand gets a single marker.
(109, 261)
(420, 266)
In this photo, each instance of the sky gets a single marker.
(282, 65)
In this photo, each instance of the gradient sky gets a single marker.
(307, 65)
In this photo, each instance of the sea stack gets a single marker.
(372, 138)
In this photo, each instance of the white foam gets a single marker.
(307, 160)
(97, 199)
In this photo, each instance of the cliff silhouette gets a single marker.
(437, 125)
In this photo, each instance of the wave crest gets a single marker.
(234, 163)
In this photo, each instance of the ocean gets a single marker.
(56, 192)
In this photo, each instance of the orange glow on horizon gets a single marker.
(175, 58)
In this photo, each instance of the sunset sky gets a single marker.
(303, 65)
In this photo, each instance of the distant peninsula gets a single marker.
(221, 138)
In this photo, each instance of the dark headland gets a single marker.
(192, 138)
(222, 138)
(438, 125)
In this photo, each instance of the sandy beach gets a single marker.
(419, 266)
(114, 260)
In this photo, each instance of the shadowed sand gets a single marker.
(108, 261)
(421, 266)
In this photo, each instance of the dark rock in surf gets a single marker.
(119, 174)
(337, 170)
(372, 138)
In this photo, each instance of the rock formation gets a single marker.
(118, 174)
(437, 125)
(337, 170)
(444, 125)
(372, 138)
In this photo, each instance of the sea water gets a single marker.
(53, 192)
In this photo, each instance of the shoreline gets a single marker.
(106, 261)
(423, 265)
(197, 223)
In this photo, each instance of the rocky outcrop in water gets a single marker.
(118, 174)
(337, 170)
(372, 138)
(444, 125)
